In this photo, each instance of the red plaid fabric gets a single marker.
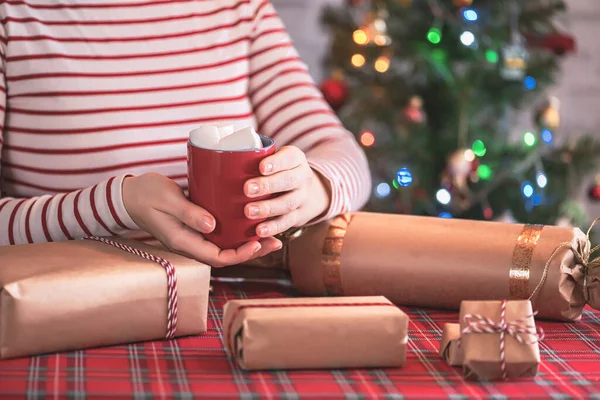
(197, 367)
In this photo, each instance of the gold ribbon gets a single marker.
(521, 262)
(583, 253)
(331, 255)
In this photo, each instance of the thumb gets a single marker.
(194, 216)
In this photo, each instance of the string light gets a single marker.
(527, 190)
(530, 83)
(541, 179)
(367, 139)
(484, 172)
(445, 214)
(529, 139)
(491, 56)
(443, 196)
(470, 15)
(404, 177)
(479, 148)
(358, 60)
(467, 38)
(547, 136)
(382, 64)
(381, 40)
(360, 37)
(383, 190)
(434, 35)
(469, 155)
(488, 213)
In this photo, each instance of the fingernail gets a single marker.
(256, 250)
(252, 188)
(268, 167)
(263, 231)
(207, 224)
(253, 211)
(279, 246)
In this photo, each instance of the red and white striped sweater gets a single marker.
(92, 91)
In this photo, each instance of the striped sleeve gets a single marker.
(290, 108)
(97, 210)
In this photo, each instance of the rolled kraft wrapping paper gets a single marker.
(437, 263)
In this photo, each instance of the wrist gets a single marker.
(320, 193)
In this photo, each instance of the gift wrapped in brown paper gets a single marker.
(87, 293)
(437, 262)
(315, 333)
(450, 349)
(499, 340)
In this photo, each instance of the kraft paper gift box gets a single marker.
(300, 333)
(492, 355)
(84, 293)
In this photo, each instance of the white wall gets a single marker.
(301, 18)
(578, 87)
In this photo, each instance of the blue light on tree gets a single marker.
(530, 83)
(547, 136)
(527, 190)
(470, 15)
(383, 190)
(404, 177)
(445, 214)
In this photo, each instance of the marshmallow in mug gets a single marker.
(222, 137)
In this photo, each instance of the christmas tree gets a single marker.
(431, 89)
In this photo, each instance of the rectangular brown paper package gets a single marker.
(314, 333)
(81, 294)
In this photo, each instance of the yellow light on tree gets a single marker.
(360, 37)
(382, 64)
(380, 40)
(358, 60)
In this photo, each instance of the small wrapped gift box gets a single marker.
(89, 293)
(348, 332)
(499, 339)
(450, 349)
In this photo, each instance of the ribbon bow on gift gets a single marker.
(583, 256)
(477, 323)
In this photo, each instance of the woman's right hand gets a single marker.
(158, 206)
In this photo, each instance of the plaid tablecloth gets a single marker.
(198, 367)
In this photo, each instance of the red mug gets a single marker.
(216, 183)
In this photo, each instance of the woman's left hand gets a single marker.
(303, 195)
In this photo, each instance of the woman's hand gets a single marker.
(304, 197)
(158, 206)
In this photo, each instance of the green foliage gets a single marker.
(459, 85)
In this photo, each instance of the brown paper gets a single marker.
(437, 263)
(450, 348)
(81, 294)
(482, 350)
(348, 332)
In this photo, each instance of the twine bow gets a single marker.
(583, 256)
(477, 323)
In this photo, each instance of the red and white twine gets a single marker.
(477, 323)
(171, 280)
